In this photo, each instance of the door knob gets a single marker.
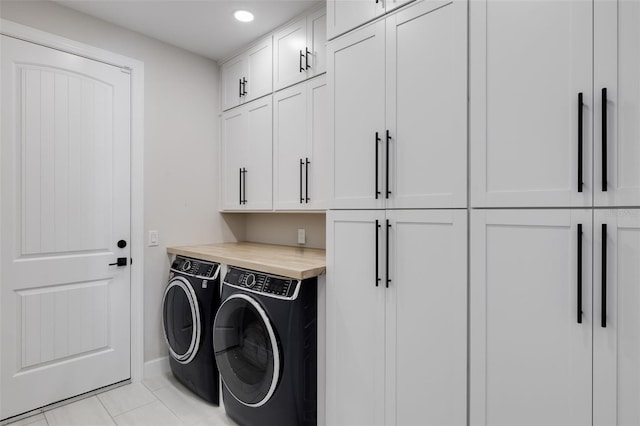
(121, 261)
(122, 244)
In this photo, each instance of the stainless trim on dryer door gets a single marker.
(221, 352)
(191, 352)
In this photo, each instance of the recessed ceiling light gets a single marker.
(243, 15)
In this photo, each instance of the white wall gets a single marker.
(181, 141)
(282, 228)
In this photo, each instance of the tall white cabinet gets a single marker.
(399, 358)
(397, 234)
(403, 122)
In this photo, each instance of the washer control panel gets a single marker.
(194, 267)
(258, 282)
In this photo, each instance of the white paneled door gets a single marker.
(65, 206)
(531, 317)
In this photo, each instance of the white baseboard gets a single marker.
(156, 367)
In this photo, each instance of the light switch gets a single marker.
(302, 238)
(153, 238)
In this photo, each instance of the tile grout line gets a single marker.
(105, 409)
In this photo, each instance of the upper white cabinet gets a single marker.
(246, 166)
(300, 145)
(299, 50)
(531, 317)
(396, 317)
(399, 129)
(534, 67)
(617, 103)
(345, 15)
(248, 76)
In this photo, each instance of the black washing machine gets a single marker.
(265, 342)
(189, 306)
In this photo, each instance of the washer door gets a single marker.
(181, 320)
(246, 350)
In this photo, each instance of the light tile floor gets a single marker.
(157, 401)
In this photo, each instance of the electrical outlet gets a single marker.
(153, 238)
(302, 238)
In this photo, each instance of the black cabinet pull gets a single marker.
(580, 108)
(377, 253)
(306, 179)
(300, 61)
(301, 164)
(244, 86)
(603, 320)
(604, 140)
(240, 87)
(306, 58)
(244, 186)
(387, 255)
(579, 290)
(387, 178)
(240, 186)
(377, 158)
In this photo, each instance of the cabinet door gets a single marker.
(259, 72)
(616, 363)
(234, 157)
(355, 318)
(427, 105)
(529, 61)
(317, 143)
(530, 357)
(290, 147)
(426, 320)
(259, 148)
(344, 15)
(317, 42)
(289, 54)
(356, 104)
(232, 73)
(389, 5)
(617, 69)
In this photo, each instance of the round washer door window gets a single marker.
(246, 350)
(181, 320)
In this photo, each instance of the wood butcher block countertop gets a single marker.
(293, 262)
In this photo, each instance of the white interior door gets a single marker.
(529, 61)
(65, 326)
(530, 357)
(616, 340)
(426, 318)
(427, 105)
(617, 69)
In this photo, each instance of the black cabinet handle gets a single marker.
(244, 186)
(387, 178)
(604, 140)
(300, 61)
(301, 164)
(306, 179)
(240, 87)
(579, 290)
(306, 58)
(240, 185)
(580, 108)
(377, 158)
(387, 254)
(244, 86)
(377, 253)
(603, 320)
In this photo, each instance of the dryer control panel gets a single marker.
(258, 282)
(195, 267)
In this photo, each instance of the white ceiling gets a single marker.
(205, 27)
